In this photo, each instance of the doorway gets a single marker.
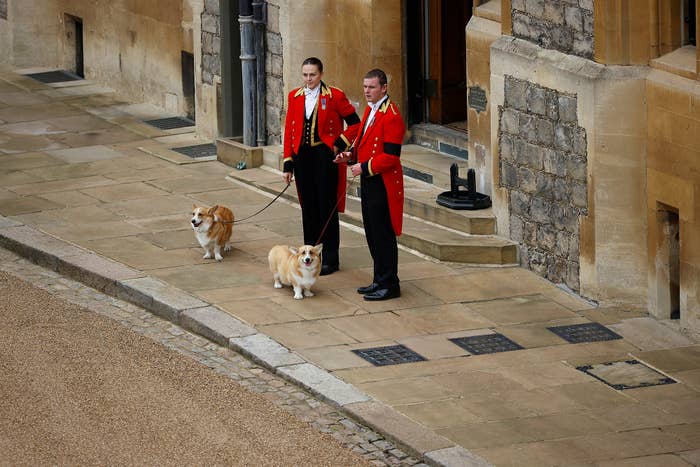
(668, 262)
(187, 60)
(73, 56)
(437, 61)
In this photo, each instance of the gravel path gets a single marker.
(79, 388)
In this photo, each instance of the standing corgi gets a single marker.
(212, 227)
(298, 267)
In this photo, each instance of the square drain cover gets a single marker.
(391, 355)
(587, 332)
(170, 123)
(58, 76)
(197, 151)
(626, 374)
(488, 343)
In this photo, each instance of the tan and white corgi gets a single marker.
(298, 267)
(212, 227)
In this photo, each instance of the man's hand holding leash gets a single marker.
(348, 156)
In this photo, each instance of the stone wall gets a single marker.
(543, 165)
(211, 61)
(564, 25)
(3, 9)
(275, 99)
(211, 41)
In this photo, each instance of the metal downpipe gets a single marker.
(260, 22)
(245, 19)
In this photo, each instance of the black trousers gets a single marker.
(381, 238)
(317, 184)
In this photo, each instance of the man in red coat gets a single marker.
(378, 150)
(313, 135)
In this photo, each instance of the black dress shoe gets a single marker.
(368, 288)
(383, 294)
(329, 269)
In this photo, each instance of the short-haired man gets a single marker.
(377, 150)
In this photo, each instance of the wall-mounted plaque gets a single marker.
(477, 98)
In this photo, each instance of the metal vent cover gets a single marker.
(389, 355)
(586, 332)
(197, 151)
(57, 76)
(486, 344)
(170, 123)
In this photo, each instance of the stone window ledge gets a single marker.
(681, 62)
(490, 9)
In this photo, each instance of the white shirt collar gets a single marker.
(311, 96)
(375, 108)
(377, 104)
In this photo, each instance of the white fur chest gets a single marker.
(203, 237)
(306, 278)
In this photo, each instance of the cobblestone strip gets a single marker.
(299, 402)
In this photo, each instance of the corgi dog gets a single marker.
(298, 267)
(212, 227)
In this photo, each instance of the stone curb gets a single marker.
(171, 303)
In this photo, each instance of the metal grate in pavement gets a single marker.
(390, 355)
(485, 344)
(170, 123)
(197, 151)
(58, 76)
(587, 332)
(627, 374)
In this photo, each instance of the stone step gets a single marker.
(426, 237)
(440, 138)
(421, 194)
(430, 166)
(420, 201)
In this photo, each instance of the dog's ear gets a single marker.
(194, 206)
(318, 248)
(294, 250)
(213, 209)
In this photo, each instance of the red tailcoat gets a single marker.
(332, 109)
(378, 150)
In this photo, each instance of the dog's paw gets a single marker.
(207, 256)
(278, 285)
(219, 257)
(228, 247)
(308, 293)
(298, 296)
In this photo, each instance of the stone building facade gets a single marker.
(624, 157)
(563, 25)
(211, 63)
(211, 41)
(544, 170)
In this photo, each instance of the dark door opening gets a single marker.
(437, 60)
(74, 60)
(668, 262)
(231, 91)
(188, 84)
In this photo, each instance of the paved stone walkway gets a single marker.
(355, 437)
(89, 190)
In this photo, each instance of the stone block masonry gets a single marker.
(211, 41)
(211, 61)
(564, 25)
(543, 165)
